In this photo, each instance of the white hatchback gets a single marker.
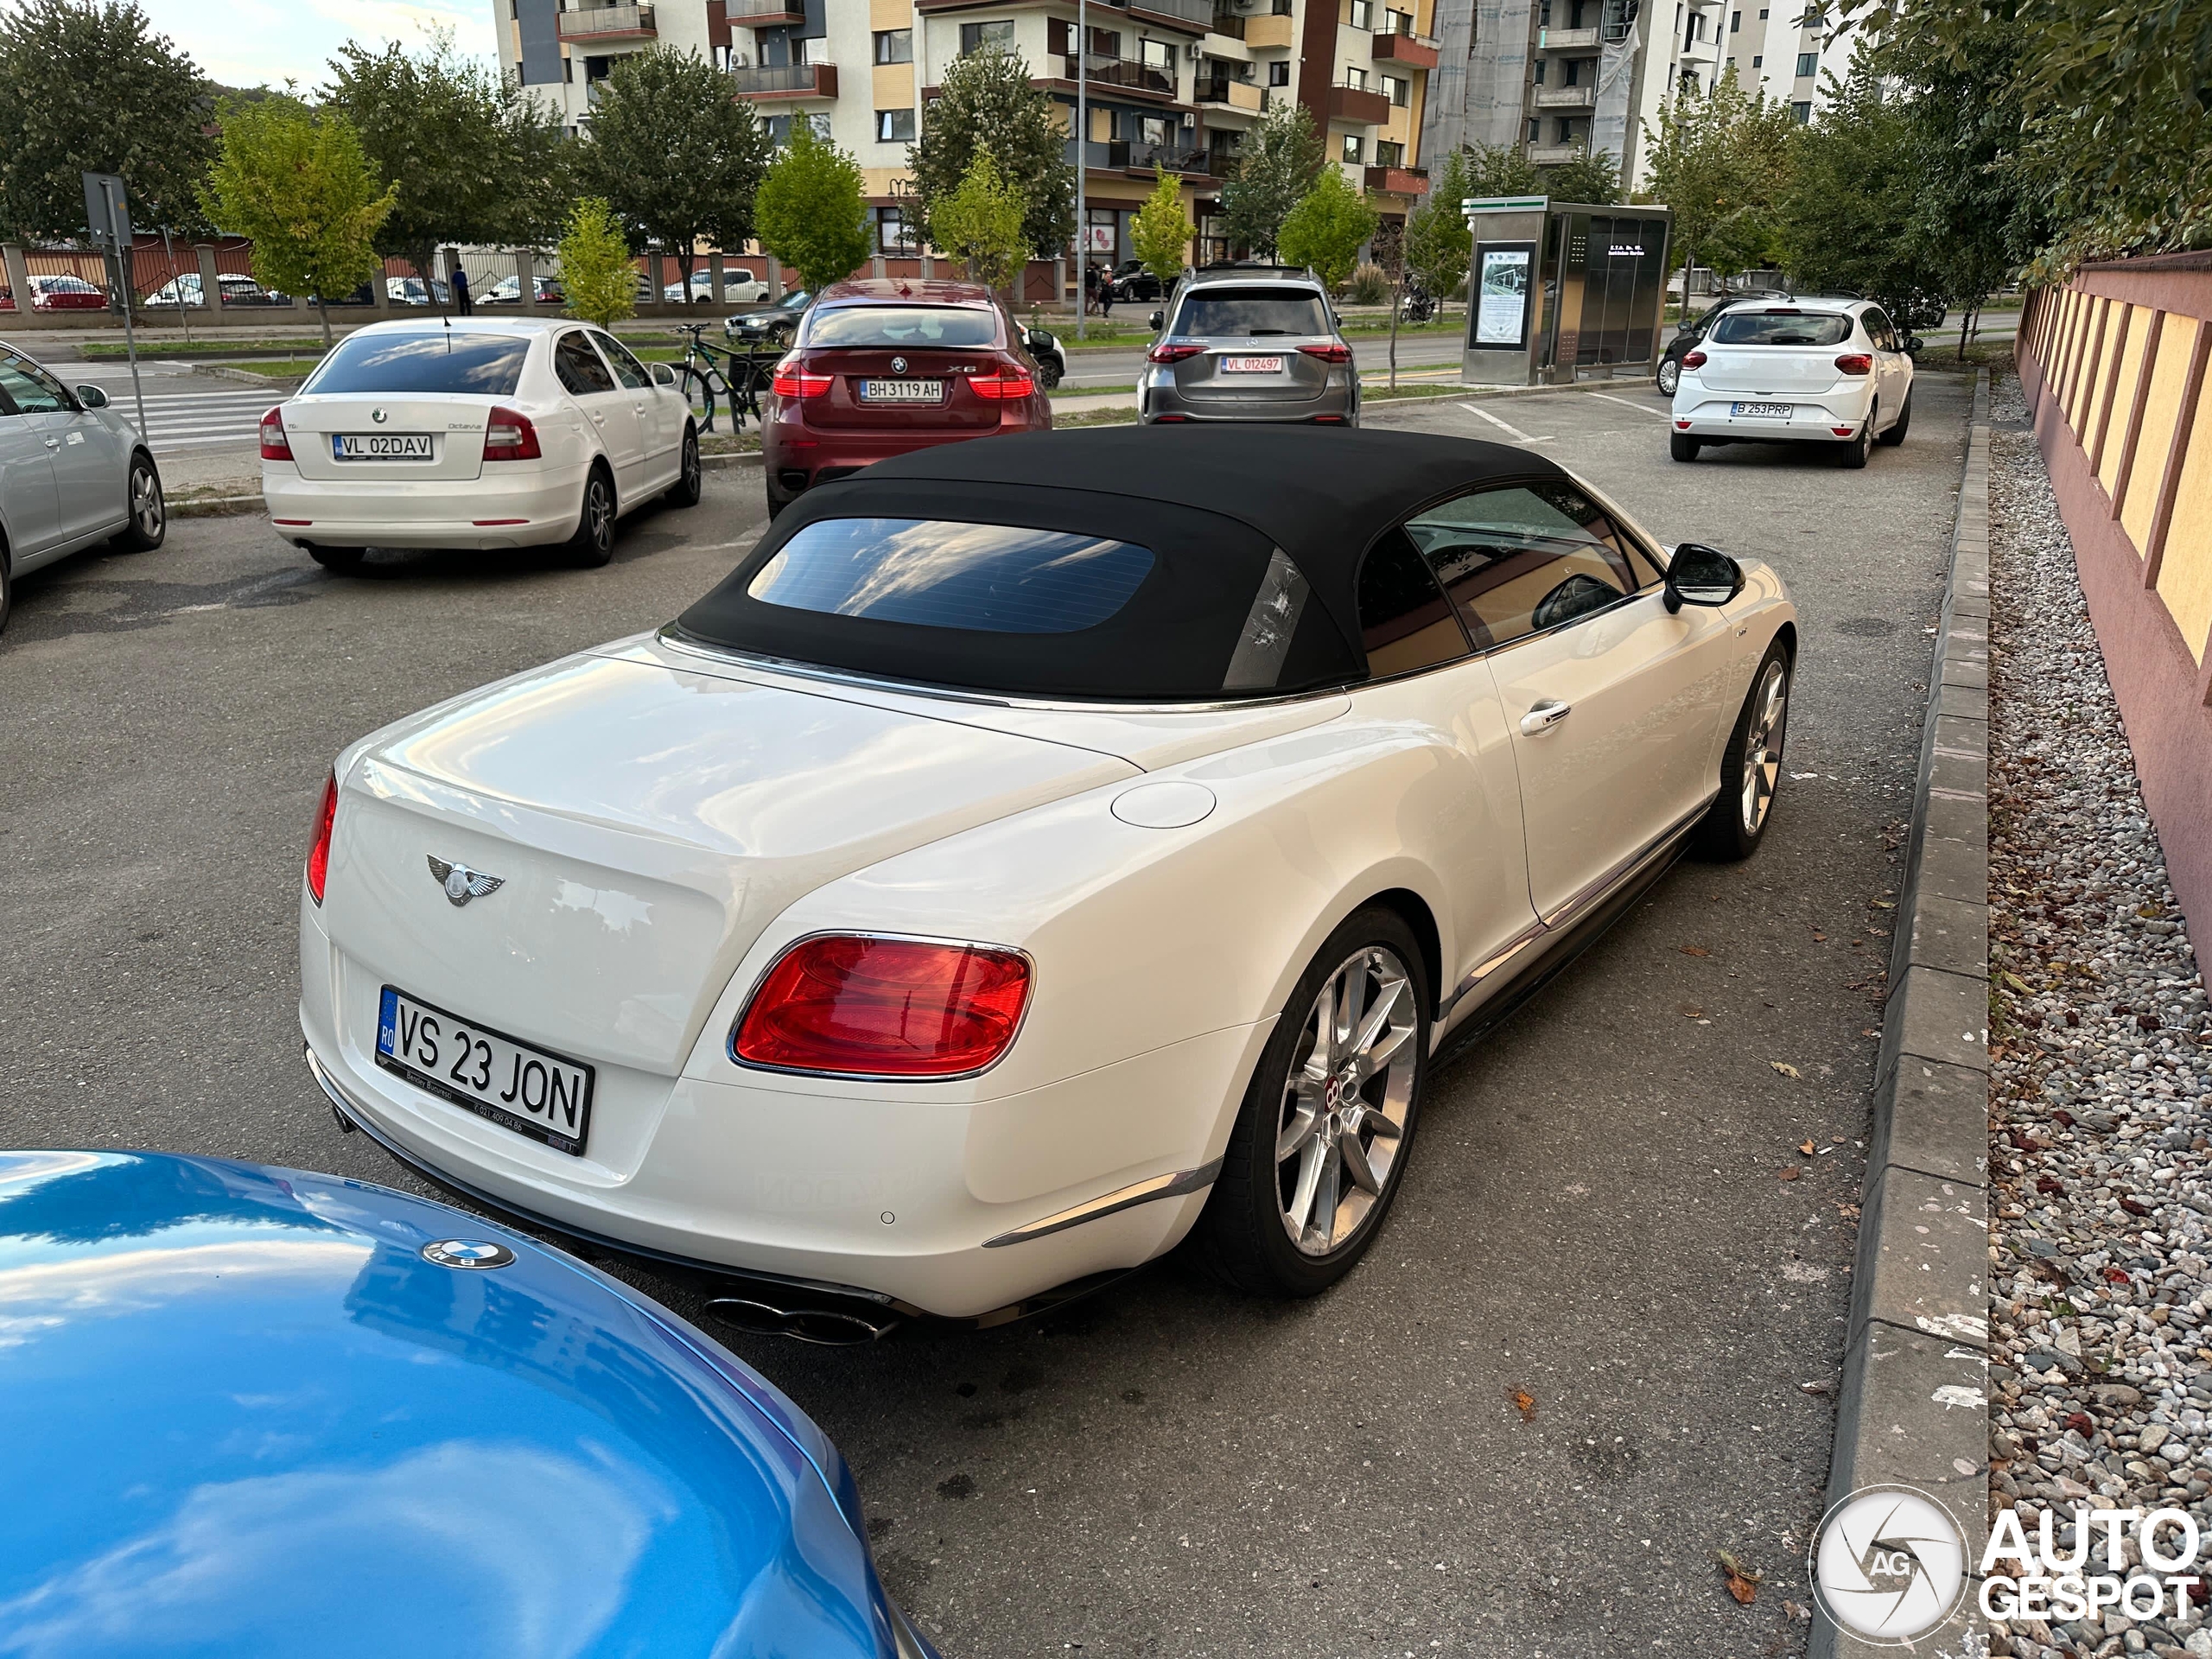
(1832, 371)
(484, 433)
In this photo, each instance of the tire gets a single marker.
(684, 492)
(1048, 372)
(150, 514)
(1243, 1237)
(338, 561)
(1856, 452)
(592, 544)
(7, 588)
(1669, 375)
(1682, 447)
(1902, 424)
(1750, 769)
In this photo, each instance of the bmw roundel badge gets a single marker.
(467, 1254)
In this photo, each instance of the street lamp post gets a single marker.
(1082, 138)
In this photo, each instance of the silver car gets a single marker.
(1249, 343)
(72, 472)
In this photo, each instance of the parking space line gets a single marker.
(1510, 431)
(1641, 409)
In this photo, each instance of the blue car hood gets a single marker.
(242, 1414)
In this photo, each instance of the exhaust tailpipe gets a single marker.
(828, 1327)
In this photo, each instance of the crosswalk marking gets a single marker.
(201, 420)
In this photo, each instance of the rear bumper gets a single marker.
(1159, 396)
(795, 457)
(1813, 417)
(517, 509)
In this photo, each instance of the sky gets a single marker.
(250, 43)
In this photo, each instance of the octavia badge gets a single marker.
(898, 366)
(463, 884)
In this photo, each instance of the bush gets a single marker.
(1369, 285)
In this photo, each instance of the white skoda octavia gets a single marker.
(993, 881)
(479, 433)
(1830, 371)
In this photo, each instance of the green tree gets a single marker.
(1281, 157)
(986, 101)
(810, 212)
(87, 86)
(1160, 233)
(1501, 170)
(299, 185)
(678, 157)
(1437, 242)
(1721, 159)
(475, 159)
(595, 270)
(1594, 178)
(982, 223)
(1325, 231)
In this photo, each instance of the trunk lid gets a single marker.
(958, 409)
(646, 824)
(1770, 368)
(454, 424)
(1209, 378)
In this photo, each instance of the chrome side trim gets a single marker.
(1127, 1197)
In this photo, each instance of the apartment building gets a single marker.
(1171, 84)
(1561, 78)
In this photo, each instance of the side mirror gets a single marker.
(92, 397)
(662, 375)
(1913, 342)
(1156, 320)
(1698, 574)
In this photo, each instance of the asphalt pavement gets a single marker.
(1594, 1345)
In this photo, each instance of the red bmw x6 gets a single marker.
(885, 365)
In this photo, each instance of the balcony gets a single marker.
(1358, 106)
(1141, 159)
(1196, 15)
(1554, 155)
(1232, 93)
(765, 14)
(1565, 98)
(785, 80)
(1409, 50)
(1398, 180)
(1229, 23)
(1263, 33)
(1563, 39)
(1124, 74)
(607, 23)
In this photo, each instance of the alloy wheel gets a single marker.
(692, 466)
(1346, 1100)
(1670, 376)
(599, 514)
(148, 511)
(1762, 746)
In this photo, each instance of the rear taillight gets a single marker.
(790, 380)
(882, 1007)
(275, 446)
(1171, 353)
(319, 849)
(1855, 362)
(1335, 352)
(1693, 360)
(508, 435)
(1010, 382)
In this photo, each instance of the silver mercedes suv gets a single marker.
(1249, 343)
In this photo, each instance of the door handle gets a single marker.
(1545, 715)
(598, 419)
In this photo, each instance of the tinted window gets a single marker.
(1745, 327)
(902, 325)
(1237, 312)
(1878, 329)
(628, 369)
(1405, 622)
(987, 578)
(447, 360)
(29, 388)
(1520, 560)
(577, 366)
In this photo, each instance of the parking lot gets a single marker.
(1575, 1367)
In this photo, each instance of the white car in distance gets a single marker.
(1830, 371)
(483, 432)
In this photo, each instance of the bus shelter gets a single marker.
(1562, 290)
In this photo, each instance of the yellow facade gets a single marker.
(2123, 395)
(2168, 376)
(2185, 567)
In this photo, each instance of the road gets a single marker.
(1594, 1218)
(188, 414)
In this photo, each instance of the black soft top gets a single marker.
(1219, 506)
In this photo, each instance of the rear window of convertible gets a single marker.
(1059, 595)
(447, 360)
(1740, 327)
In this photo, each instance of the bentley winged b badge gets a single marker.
(463, 884)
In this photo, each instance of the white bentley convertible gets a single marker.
(993, 881)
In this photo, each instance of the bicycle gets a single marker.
(739, 379)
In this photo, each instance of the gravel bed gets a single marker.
(2101, 1107)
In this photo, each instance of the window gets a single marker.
(1526, 558)
(30, 387)
(894, 126)
(894, 46)
(1802, 113)
(1566, 129)
(1573, 73)
(1537, 73)
(1809, 63)
(1279, 73)
(819, 120)
(1247, 312)
(1399, 91)
(485, 364)
(1158, 54)
(974, 37)
(1362, 14)
(912, 326)
(1405, 622)
(1740, 326)
(1153, 131)
(1755, 59)
(1389, 153)
(983, 578)
(1356, 77)
(575, 364)
(1397, 22)
(1536, 129)
(893, 233)
(1354, 149)
(1735, 21)
(1880, 330)
(630, 373)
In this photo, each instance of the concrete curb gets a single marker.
(1913, 1405)
(231, 506)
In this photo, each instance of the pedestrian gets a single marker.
(1106, 295)
(1090, 286)
(468, 307)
